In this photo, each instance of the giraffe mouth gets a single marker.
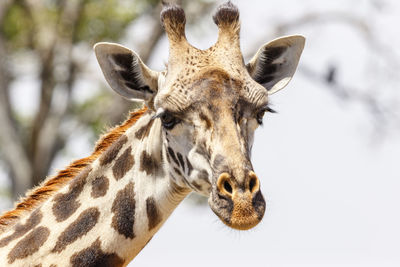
(241, 212)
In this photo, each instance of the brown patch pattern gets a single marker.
(168, 158)
(81, 226)
(66, 204)
(153, 214)
(99, 186)
(50, 187)
(144, 130)
(94, 256)
(112, 151)
(172, 154)
(190, 167)
(147, 163)
(180, 158)
(29, 244)
(124, 211)
(21, 229)
(178, 171)
(123, 164)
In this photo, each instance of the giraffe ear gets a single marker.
(275, 63)
(125, 72)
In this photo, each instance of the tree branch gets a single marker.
(11, 145)
(379, 112)
(49, 140)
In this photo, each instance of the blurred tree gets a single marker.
(54, 34)
(49, 31)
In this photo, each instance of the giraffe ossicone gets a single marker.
(195, 133)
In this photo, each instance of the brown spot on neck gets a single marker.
(112, 151)
(123, 208)
(21, 229)
(29, 244)
(148, 163)
(94, 256)
(81, 226)
(99, 186)
(123, 164)
(66, 204)
(153, 213)
(144, 130)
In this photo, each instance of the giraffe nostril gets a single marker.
(227, 187)
(224, 185)
(254, 183)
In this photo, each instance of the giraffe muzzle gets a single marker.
(240, 206)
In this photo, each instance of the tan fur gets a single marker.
(243, 215)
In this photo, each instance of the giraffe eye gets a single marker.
(168, 121)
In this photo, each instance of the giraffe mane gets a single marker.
(50, 186)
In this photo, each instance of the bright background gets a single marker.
(328, 161)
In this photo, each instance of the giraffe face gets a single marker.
(209, 143)
(209, 103)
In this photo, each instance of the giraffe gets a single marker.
(194, 134)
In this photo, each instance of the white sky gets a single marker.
(332, 197)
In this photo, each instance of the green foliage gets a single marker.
(16, 24)
(57, 35)
(105, 19)
(98, 20)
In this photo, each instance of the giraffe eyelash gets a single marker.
(158, 114)
(261, 112)
(269, 109)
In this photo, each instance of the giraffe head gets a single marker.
(209, 103)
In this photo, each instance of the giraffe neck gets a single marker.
(106, 214)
